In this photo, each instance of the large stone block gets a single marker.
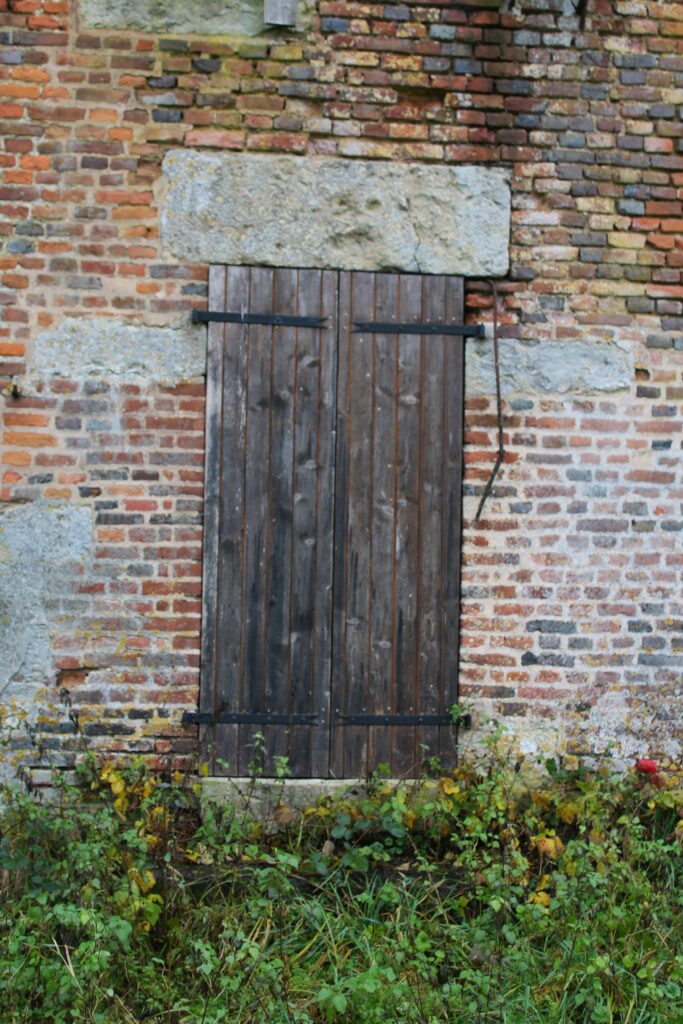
(42, 548)
(547, 367)
(183, 17)
(331, 213)
(79, 348)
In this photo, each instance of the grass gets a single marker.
(473, 898)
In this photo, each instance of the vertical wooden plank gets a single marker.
(381, 696)
(339, 676)
(282, 427)
(324, 521)
(300, 667)
(312, 526)
(212, 485)
(453, 384)
(257, 515)
(232, 473)
(429, 528)
(360, 498)
(405, 754)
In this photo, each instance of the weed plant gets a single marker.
(472, 897)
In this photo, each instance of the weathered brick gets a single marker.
(550, 626)
(584, 510)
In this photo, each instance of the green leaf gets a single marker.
(339, 1002)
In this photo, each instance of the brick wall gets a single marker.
(573, 611)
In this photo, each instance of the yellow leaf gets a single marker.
(542, 898)
(549, 845)
(146, 881)
(569, 811)
(204, 770)
(449, 786)
(121, 806)
(149, 787)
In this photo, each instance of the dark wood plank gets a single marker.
(429, 581)
(381, 696)
(300, 669)
(310, 660)
(339, 676)
(405, 759)
(452, 512)
(325, 512)
(211, 519)
(256, 532)
(232, 469)
(360, 498)
(284, 358)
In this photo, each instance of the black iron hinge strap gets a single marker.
(379, 327)
(269, 319)
(394, 720)
(245, 718)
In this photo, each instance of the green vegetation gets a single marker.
(472, 898)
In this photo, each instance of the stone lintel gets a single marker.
(331, 213)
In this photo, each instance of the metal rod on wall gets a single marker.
(499, 407)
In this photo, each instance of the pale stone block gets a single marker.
(288, 211)
(79, 348)
(41, 547)
(547, 367)
(186, 17)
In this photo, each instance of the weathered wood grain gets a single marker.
(334, 468)
(212, 476)
(408, 681)
(382, 538)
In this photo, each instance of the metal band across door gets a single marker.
(332, 520)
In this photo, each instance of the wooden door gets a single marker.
(269, 493)
(398, 516)
(332, 521)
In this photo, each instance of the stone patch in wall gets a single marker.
(185, 17)
(288, 211)
(547, 367)
(42, 548)
(79, 348)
